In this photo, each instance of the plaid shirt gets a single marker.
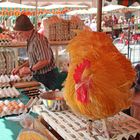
(39, 49)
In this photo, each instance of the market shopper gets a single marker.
(41, 62)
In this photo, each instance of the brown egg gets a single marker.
(11, 108)
(14, 103)
(2, 104)
(0, 109)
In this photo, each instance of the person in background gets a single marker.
(43, 27)
(121, 20)
(1, 30)
(87, 22)
(115, 19)
(105, 19)
(93, 25)
(41, 63)
(110, 21)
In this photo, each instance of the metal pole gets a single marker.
(99, 15)
(92, 5)
(36, 16)
(129, 51)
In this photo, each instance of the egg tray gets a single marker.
(2, 85)
(11, 108)
(8, 80)
(67, 124)
(5, 42)
(9, 92)
(5, 80)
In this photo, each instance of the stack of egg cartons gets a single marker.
(75, 24)
(2, 63)
(7, 60)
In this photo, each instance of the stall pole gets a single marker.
(99, 15)
(128, 46)
(36, 17)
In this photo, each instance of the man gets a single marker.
(41, 60)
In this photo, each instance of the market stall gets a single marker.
(15, 9)
(92, 92)
(61, 9)
(16, 98)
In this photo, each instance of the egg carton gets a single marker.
(120, 126)
(16, 78)
(11, 108)
(6, 79)
(9, 92)
(5, 42)
(7, 57)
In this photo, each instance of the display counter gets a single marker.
(9, 130)
(67, 124)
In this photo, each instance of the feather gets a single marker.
(106, 82)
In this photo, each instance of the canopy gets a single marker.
(92, 10)
(14, 5)
(78, 12)
(135, 7)
(10, 9)
(83, 11)
(57, 6)
(111, 7)
(61, 9)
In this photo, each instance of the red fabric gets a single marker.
(126, 2)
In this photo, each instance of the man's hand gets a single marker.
(24, 71)
(15, 71)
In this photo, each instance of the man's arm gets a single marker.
(25, 64)
(16, 70)
(27, 70)
(40, 64)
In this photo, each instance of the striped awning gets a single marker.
(126, 2)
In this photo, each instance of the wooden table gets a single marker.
(66, 124)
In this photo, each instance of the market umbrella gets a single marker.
(14, 5)
(113, 8)
(78, 12)
(83, 11)
(61, 9)
(135, 7)
(92, 10)
(10, 8)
